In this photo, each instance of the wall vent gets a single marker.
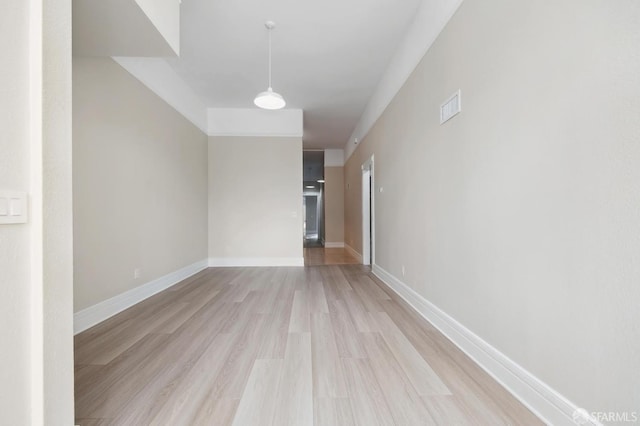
(450, 107)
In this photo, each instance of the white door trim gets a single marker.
(368, 212)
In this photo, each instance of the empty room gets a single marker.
(216, 212)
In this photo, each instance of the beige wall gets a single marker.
(519, 217)
(36, 359)
(353, 199)
(255, 198)
(140, 184)
(334, 204)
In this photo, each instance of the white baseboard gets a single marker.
(87, 318)
(215, 262)
(334, 245)
(540, 398)
(354, 253)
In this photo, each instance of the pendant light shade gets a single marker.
(269, 99)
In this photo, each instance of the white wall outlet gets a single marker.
(136, 273)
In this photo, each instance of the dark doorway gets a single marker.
(313, 194)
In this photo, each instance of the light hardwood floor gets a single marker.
(328, 256)
(280, 346)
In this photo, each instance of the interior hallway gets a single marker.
(300, 346)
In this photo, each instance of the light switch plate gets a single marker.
(4, 207)
(13, 207)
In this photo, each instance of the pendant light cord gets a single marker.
(270, 29)
(269, 99)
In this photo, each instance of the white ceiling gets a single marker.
(339, 63)
(328, 56)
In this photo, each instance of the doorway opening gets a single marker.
(313, 198)
(310, 209)
(368, 213)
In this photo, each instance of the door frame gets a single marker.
(368, 213)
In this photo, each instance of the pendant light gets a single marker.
(269, 99)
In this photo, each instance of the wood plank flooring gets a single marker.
(319, 345)
(317, 256)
